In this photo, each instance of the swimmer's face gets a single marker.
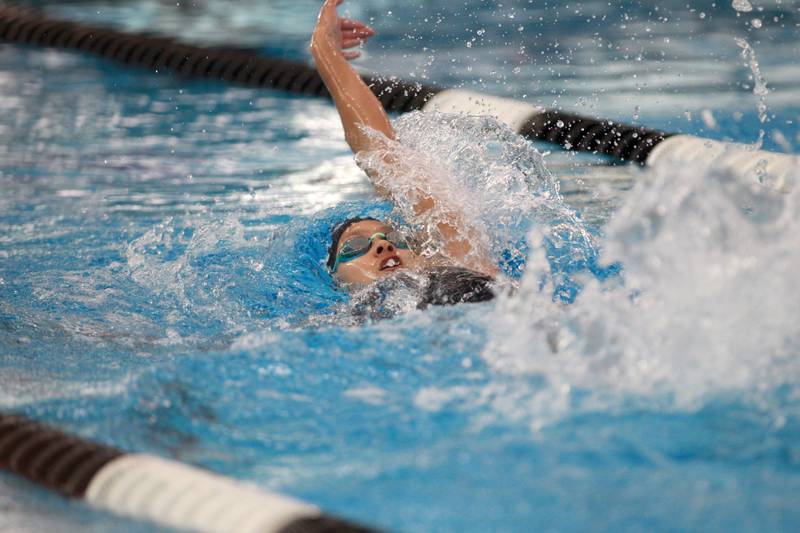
(382, 259)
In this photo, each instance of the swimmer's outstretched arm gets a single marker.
(355, 102)
(358, 108)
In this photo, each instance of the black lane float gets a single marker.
(244, 67)
(146, 487)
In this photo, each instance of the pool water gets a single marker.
(163, 290)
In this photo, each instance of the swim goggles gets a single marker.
(355, 247)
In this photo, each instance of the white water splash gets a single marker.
(165, 261)
(710, 306)
(146, 255)
(493, 180)
(742, 6)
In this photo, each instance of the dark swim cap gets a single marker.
(337, 234)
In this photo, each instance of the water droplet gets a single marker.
(742, 6)
(560, 124)
(760, 89)
(756, 23)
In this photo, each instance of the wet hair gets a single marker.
(336, 235)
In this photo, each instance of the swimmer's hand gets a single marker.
(337, 34)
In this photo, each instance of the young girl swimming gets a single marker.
(365, 250)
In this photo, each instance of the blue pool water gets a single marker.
(162, 281)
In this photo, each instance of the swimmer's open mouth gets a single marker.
(391, 263)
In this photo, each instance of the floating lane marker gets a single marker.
(779, 171)
(180, 496)
(146, 487)
(511, 112)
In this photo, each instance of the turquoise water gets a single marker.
(162, 286)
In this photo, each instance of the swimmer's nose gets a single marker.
(384, 246)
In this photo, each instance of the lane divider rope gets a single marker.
(244, 67)
(146, 487)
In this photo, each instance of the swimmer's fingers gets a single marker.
(361, 35)
(357, 34)
(350, 42)
(353, 33)
(351, 54)
(354, 25)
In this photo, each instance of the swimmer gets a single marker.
(365, 250)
